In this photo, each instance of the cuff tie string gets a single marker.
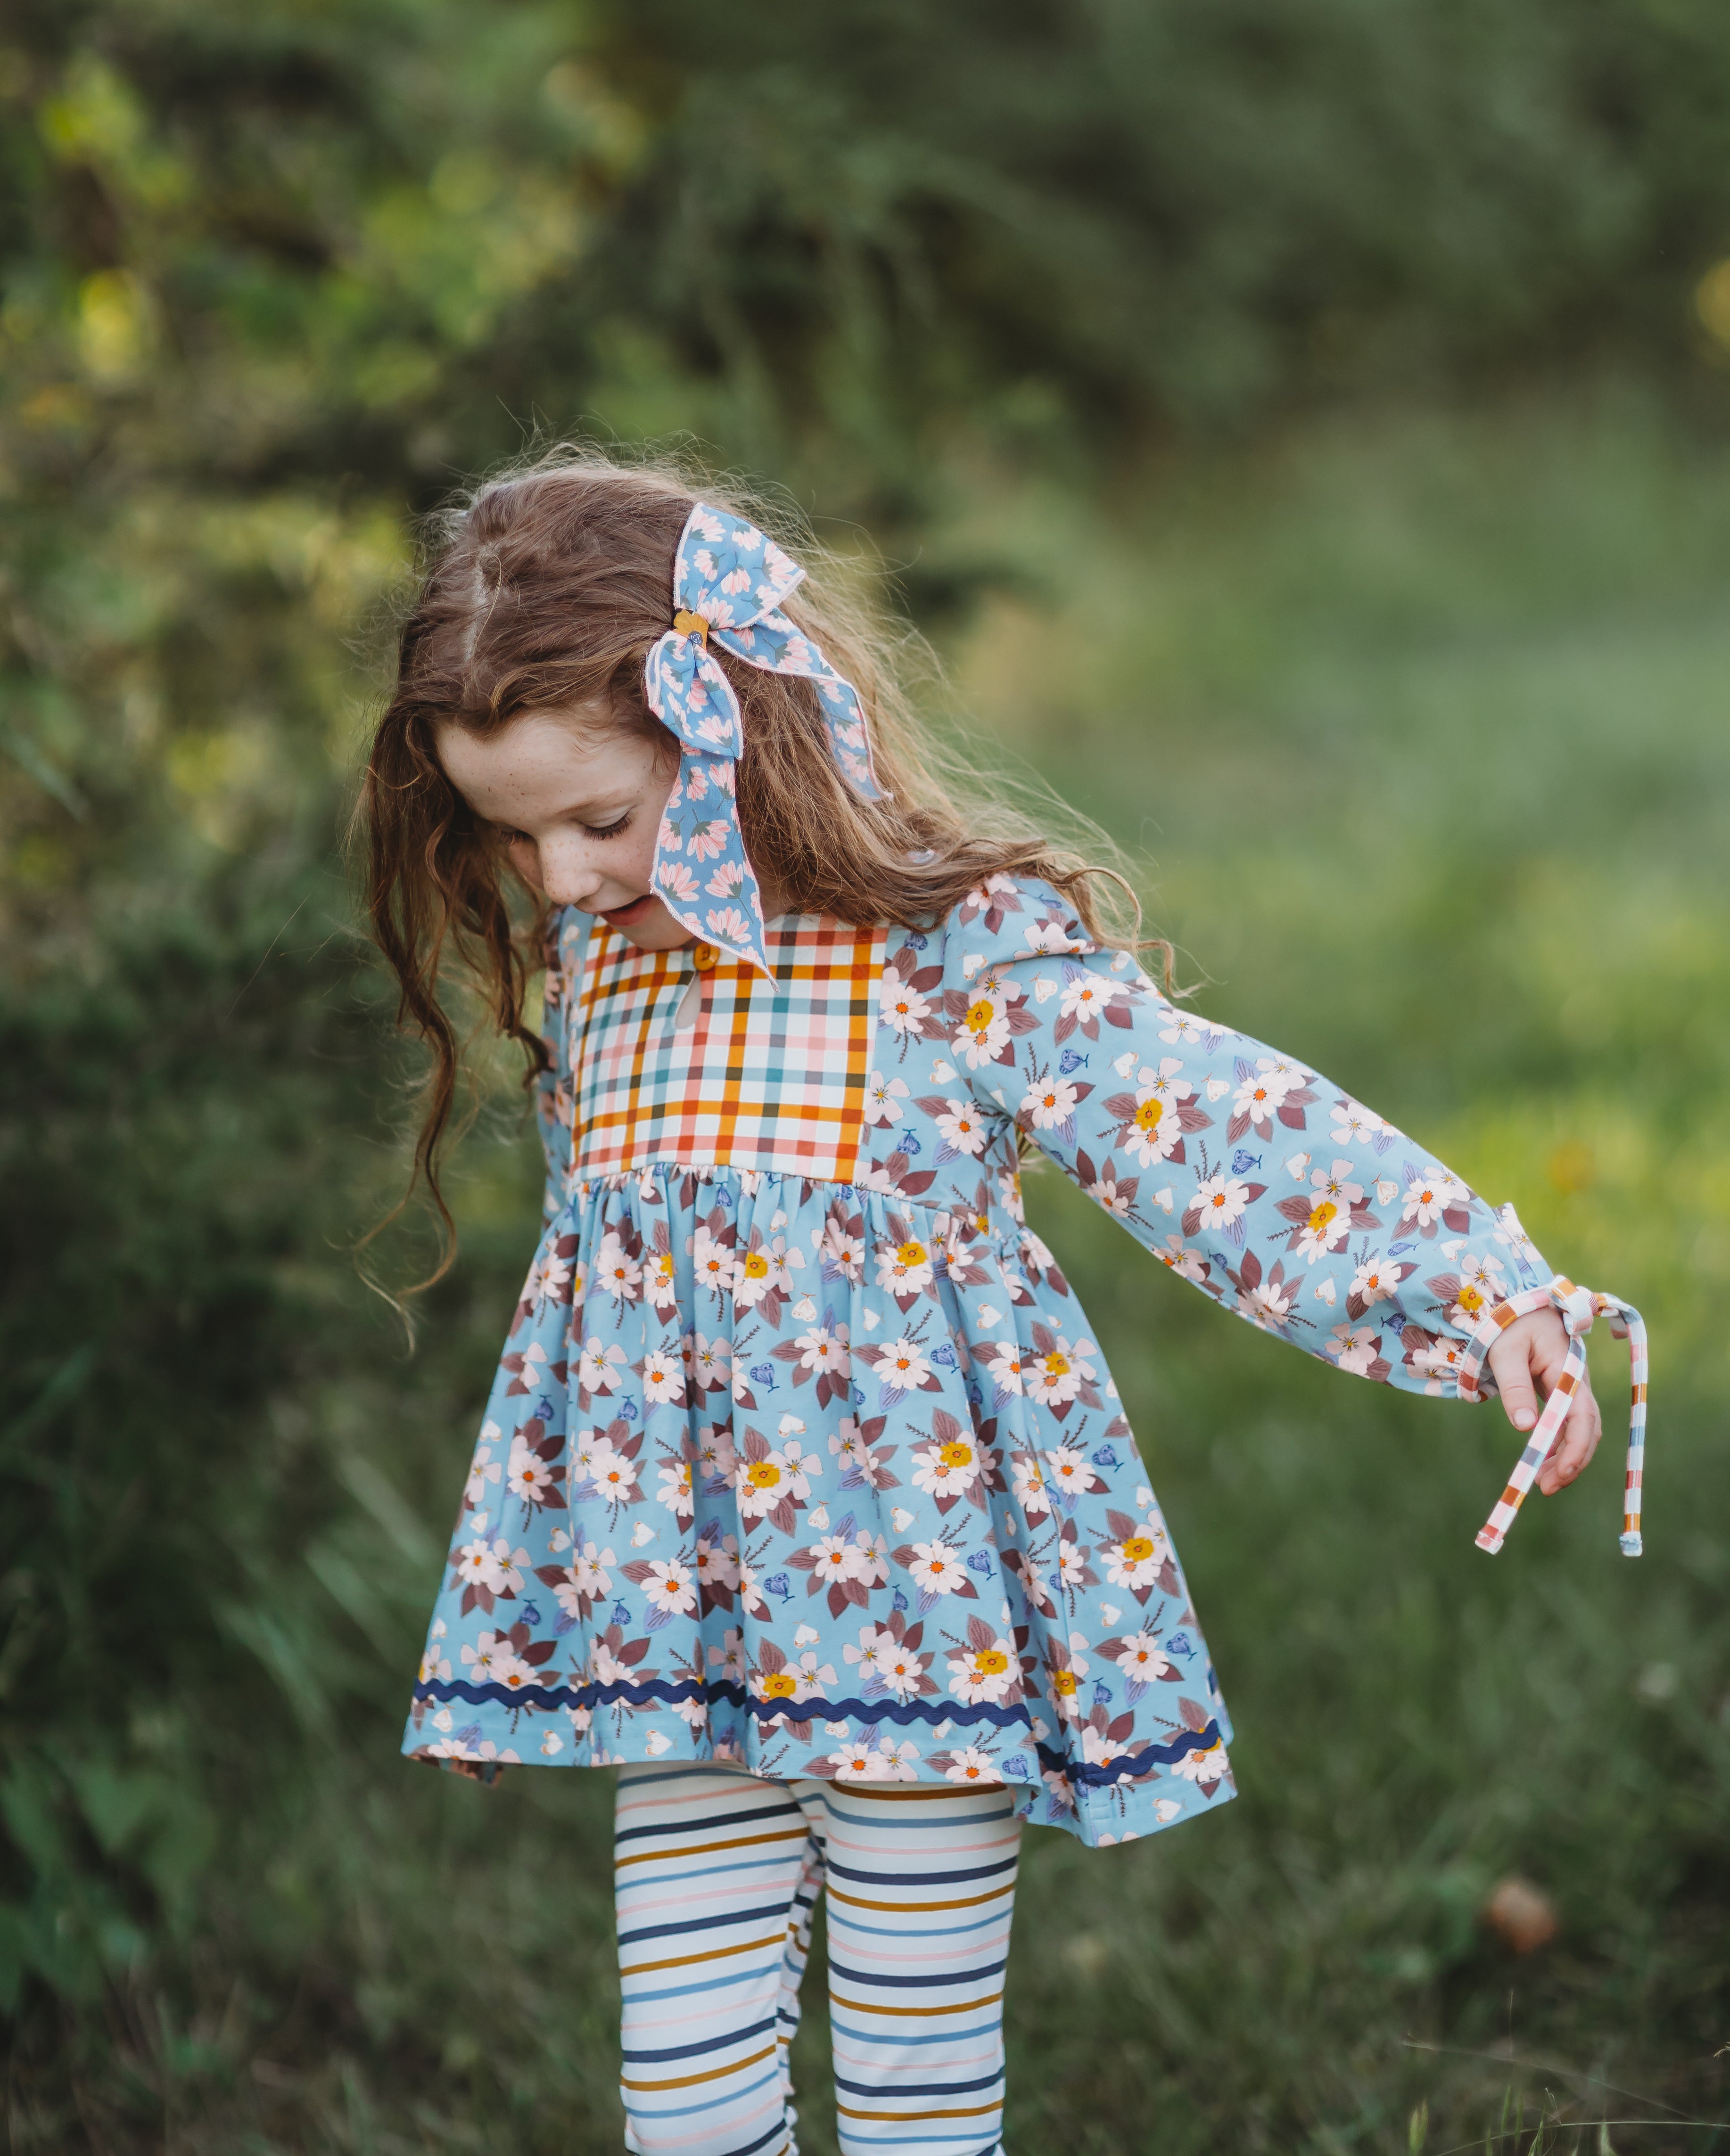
(1578, 1306)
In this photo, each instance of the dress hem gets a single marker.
(1098, 1802)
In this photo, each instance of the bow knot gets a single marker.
(729, 581)
(1575, 1305)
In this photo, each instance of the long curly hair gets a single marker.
(542, 590)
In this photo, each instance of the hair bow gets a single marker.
(729, 581)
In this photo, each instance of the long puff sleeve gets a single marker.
(1250, 1175)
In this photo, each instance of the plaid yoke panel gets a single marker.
(768, 1075)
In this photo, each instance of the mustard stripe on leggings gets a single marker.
(718, 1874)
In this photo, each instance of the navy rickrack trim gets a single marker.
(661, 1691)
(658, 1692)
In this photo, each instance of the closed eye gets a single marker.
(613, 830)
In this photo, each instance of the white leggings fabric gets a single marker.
(718, 1874)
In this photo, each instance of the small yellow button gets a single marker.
(705, 958)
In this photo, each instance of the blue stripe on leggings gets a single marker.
(920, 2088)
(952, 2032)
(691, 2050)
(760, 1914)
(706, 1823)
(976, 1973)
(842, 1919)
(914, 1880)
(640, 2119)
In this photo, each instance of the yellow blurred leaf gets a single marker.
(1572, 1167)
(1712, 302)
(96, 119)
(115, 326)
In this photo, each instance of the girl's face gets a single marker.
(578, 806)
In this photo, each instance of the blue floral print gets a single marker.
(830, 1478)
(728, 584)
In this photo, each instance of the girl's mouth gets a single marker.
(627, 916)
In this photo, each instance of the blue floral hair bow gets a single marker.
(729, 581)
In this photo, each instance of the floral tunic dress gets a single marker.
(801, 1455)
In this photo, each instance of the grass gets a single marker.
(1426, 721)
(1423, 718)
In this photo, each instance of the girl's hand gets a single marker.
(1532, 1351)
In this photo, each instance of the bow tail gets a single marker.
(773, 645)
(701, 873)
(848, 734)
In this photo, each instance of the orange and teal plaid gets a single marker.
(765, 1073)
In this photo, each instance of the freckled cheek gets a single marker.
(573, 869)
(525, 857)
(637, 847)
(558, 869)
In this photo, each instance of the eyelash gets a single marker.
(594, 831)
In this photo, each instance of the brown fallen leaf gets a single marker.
(1521, 1916)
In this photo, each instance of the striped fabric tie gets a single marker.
(1578, 1306)
(717, 1878)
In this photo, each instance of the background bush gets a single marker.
(1303, 431)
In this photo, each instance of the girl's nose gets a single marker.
(566, 877)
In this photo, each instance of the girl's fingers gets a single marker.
(1528, 1361)
(1578, 1438)
(1576, 1443)
(1508, 1360)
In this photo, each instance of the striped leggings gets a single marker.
(718, 1875)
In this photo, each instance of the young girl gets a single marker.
(804, 1497)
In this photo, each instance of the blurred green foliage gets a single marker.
(1140, 333)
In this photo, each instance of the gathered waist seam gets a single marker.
(1004, 1227)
